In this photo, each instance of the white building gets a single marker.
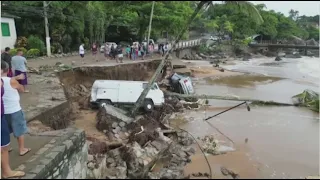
(8, 31)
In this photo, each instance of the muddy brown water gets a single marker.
(283, 142)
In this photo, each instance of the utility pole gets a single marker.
(150, 22)
(46, 26)
(144, 93)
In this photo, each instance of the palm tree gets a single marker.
(243, 5)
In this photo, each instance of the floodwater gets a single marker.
(283, 142)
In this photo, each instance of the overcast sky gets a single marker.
(308, 8)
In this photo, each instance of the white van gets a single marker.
(125, 92)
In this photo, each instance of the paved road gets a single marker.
(33, 142)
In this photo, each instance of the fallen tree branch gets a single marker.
(231, 98)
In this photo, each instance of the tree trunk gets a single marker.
(161, 65)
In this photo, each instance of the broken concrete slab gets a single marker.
(117, 113)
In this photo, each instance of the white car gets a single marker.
(125, 92)
(110, 43)
(214, 38)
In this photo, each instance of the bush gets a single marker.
(33, 53)
(13, 52)
(35, 42)
(21, 42)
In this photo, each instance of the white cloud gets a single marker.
(308, 8)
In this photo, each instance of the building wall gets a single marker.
(8, 41)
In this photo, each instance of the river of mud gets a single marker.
(270, 142)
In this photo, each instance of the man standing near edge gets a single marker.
(5, 56)
(19, 65)
(6, 171)
(12, 109)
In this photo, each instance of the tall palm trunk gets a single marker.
(161, 65)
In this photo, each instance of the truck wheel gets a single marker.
(148, 105)
(101, 102)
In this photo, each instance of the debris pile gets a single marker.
(210, 145)
(137, 161)
(148, 140)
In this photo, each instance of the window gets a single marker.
(5, 29)
(153, 87)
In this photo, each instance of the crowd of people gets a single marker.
(113, 51)
(13, 81)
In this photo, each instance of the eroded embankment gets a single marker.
(78, 81)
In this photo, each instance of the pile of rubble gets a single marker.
(146, 140)
(135, 161)
(210, 145)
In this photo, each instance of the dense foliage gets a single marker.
(73, 22)
(240, 24)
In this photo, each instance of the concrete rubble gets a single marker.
(146, 142)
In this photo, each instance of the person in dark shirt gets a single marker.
(119, 54)
(5, 56)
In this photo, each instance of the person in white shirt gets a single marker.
(81, 50)
(12, 109)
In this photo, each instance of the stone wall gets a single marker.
(65, 156)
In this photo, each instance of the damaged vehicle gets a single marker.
(126, 93)
(181, 84)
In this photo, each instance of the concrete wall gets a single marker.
(9, 41)
(65, 156)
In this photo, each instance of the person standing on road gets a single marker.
(19, 64)
(106, 51)
(12, 109)
(113, 52)
(120, 53)
(94, 50)
(128, 52)
(5, 56)
(81, 50)
(6, 170)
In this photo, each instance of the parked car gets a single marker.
(181, 84)
(125, 92)
(102, 46)
(214, 38)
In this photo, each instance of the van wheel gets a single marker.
(101, 102)
(148, 105)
